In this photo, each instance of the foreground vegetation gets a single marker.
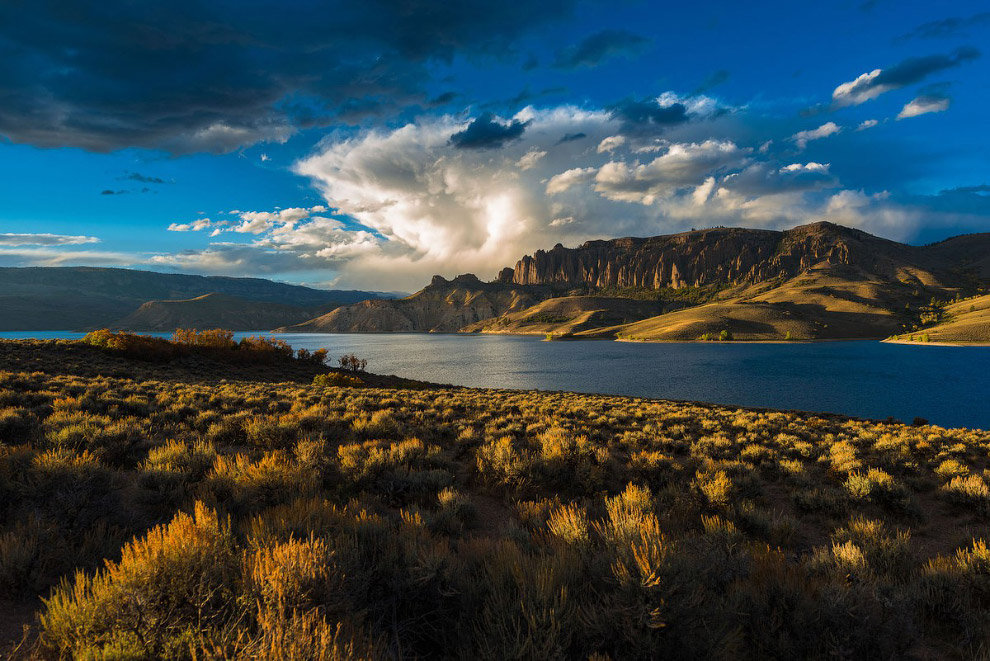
(182, 517)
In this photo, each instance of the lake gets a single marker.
(949, 386)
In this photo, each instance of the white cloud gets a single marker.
(530, 159)
(195, 226)
(867, 124)
(50, 256)
(9, 239)
(802, 138)
(684, 165)
(806, 167)
(924, 105)
(610, 143)
(860, 90)
(561, 182)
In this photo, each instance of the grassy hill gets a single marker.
(967, 322)
(568, 315)
(215, 311)
(166, 511)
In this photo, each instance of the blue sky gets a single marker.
(371, 145)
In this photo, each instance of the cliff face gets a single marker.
(442, 306)
(724, 255)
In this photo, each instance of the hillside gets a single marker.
(214, 311)
(967, 321)
(568, 315)
(72, 298)
(201, 509)
(442, 306)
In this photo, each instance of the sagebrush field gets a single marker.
(199, 507)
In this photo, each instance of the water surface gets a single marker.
(949, 386)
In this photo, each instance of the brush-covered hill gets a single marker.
(965, 322)
(214, 311)
(568, 315)
(71, 298)
(442, 306)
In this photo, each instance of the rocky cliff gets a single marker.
(724, 255)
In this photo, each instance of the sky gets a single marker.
(371, 145)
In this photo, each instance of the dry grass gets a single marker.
(186, 519)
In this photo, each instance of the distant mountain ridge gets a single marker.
(73, 298)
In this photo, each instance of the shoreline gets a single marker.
(938, 344)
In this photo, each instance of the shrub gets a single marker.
(352, 363)
(337, 380)
(216, 338)
(170, 590)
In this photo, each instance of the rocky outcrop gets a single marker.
(442, 306)
(723, 255)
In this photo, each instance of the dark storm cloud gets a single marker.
(915, 69)
(194, 76)
(601, 46)
(487, 133)
(144, 179)
(647, 114)
(955, 26)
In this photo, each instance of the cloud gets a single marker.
(50, 256)
(601, 46)
(649, 112)
(530, 159)
(954, 26)
(144, 179)
(923, 105)
(610, 143)
(486, 132)
(867, 124)
(195, 226)
(193, 76)
(571, 137)
(908, 72)
(802, 138)
(107, 191)
(569, 178)
(682, 166)
(8, 239)
(714, 79)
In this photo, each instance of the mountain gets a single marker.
(71, 298)
(214, 311)
(442, 306)
(817, 281)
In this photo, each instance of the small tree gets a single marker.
(725, 336)
(352, 363)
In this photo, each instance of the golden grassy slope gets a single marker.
(969, 322)
(283, 520)
(825, 302)
(568, 315)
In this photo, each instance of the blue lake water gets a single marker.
(949, 386)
